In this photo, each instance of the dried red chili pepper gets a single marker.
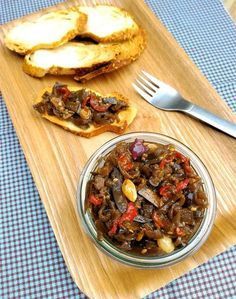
(64, 91)
(166, 160)
(165, 191)
(130, 213)
(125, 162)
(182, 185)
(180, 156)
(114, 227)
(180, 232)
(96, 201)
(186, 162)
(98, 105)
(85, 101)
(158, 220)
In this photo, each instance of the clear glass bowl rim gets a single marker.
(141, 261)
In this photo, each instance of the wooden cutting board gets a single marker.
(57, 157)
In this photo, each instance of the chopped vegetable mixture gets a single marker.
(146, 198)
(82, 107)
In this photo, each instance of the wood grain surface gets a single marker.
(57, 157)
(230, 6)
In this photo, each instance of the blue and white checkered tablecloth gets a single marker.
(31, 264)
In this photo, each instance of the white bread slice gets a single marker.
(47, 31)
(108, 23)
(84, 60)
(66, 59)
(126, 117)
(126, 52)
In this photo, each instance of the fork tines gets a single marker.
(147, 85)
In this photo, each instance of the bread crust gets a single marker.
(126, 117)
(23, 49)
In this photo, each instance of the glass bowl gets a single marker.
(148, 261)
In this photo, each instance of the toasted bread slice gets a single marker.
(67, 59)
(48, 31)
(126, 52)
(108, 23)
(125, 117)
(84, 60)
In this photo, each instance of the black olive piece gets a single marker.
(120, 200)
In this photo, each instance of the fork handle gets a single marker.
(212, 119)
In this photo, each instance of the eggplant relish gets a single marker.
(82, 107)
(146, 198)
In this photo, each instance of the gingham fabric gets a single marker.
(31, 265)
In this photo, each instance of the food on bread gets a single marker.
(84, 60)
(83, 111)
(47, 31)
(108, 23)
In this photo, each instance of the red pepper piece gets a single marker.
(187, 167)
(85, 101)
(125, 162)
(114, 227)
(64, 91)
(166, 160)
(181, 157)
(165, 191)
(170, 158)
(96, 201)
(182, 185)
(158, 220)
(98, 105)
(130, 213)
(180, 232)
(186, 162)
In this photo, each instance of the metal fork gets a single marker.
(164, 97)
